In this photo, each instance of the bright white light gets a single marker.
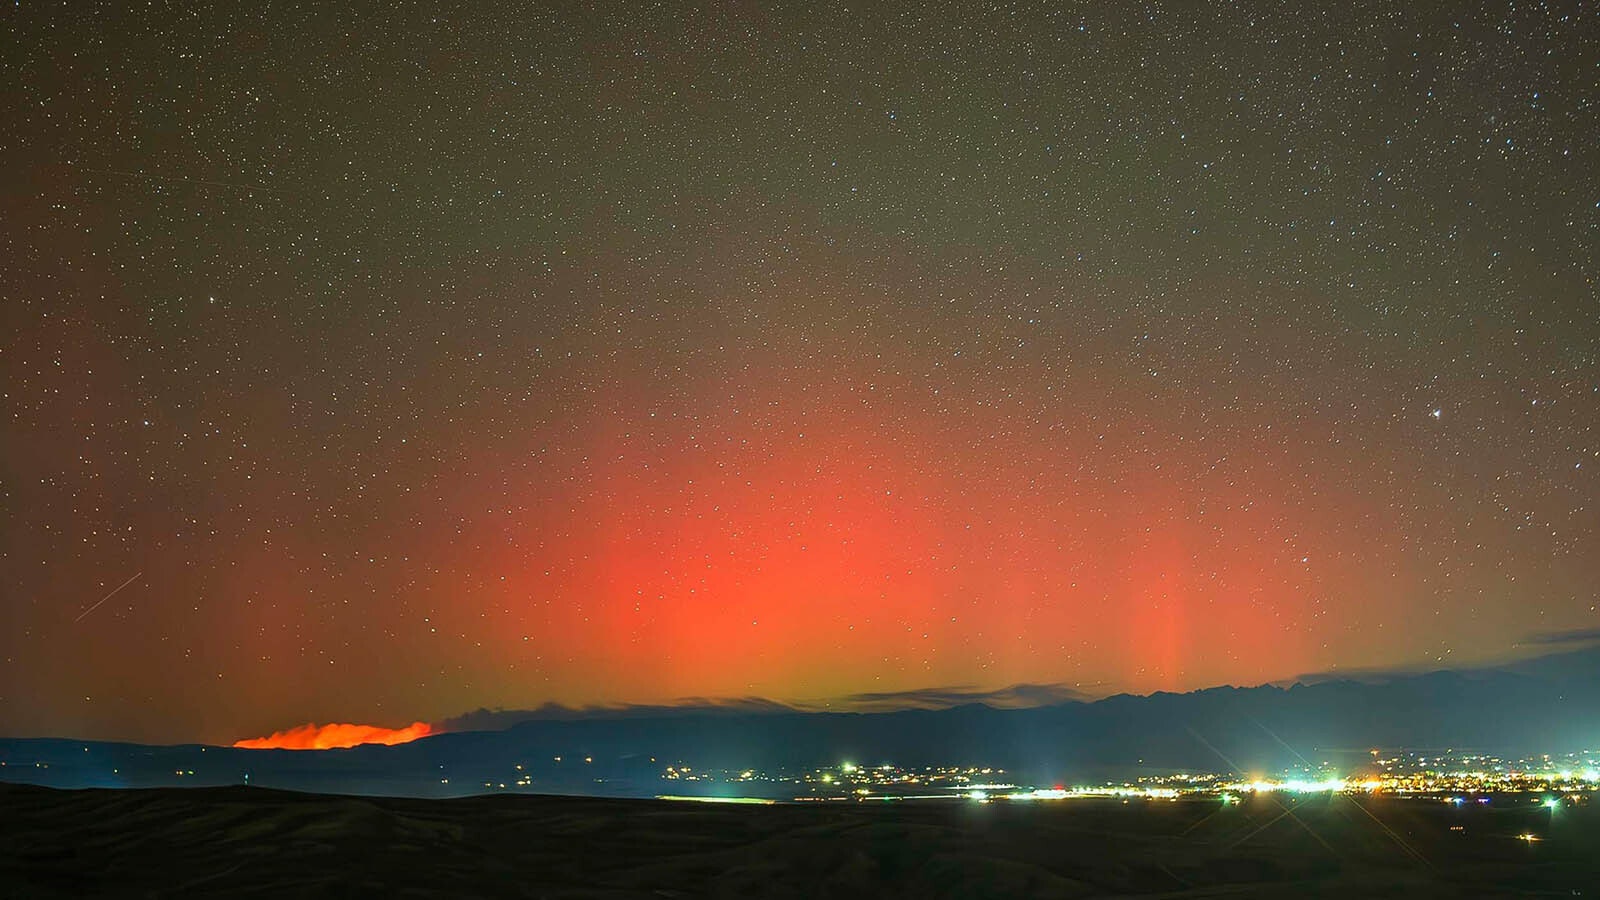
(1055, 794)
(1298, 786)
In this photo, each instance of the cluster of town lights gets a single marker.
(1228, 791)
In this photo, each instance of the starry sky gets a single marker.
(377, 363)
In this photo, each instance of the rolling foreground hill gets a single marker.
(252, 842)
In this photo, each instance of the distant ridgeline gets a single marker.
(1543, 705)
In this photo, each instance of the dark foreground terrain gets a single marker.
(251, 842)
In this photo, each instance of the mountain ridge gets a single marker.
(1530, 706)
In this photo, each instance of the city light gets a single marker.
(754, 801)
(1458, 780)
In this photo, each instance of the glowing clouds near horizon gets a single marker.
(312, 736)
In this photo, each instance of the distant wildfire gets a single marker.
(327, 737)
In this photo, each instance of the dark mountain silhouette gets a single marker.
(1543, 704)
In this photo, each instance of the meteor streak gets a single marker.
(107, 597)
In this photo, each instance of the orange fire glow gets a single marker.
(335, 735)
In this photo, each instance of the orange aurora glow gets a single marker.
(335, 735)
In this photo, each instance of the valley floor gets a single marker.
(252, 842)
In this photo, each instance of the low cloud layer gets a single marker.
(1549, 650)
(1574, 637)
(1017, 695)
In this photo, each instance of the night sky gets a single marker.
(400, 362)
